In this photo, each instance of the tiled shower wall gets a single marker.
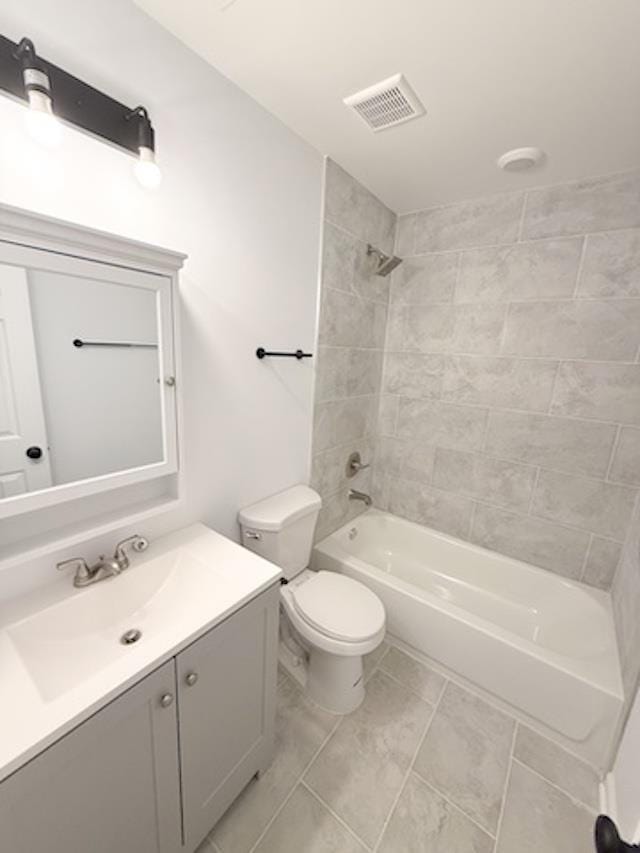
(510, 406)
(353, 316)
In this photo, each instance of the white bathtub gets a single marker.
(542, 644)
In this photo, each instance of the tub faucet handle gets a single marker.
(355, 464)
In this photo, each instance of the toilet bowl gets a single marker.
(328, 621)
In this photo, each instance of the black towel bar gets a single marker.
(261, 352)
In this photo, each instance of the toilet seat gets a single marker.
(317, 634)
(339, 607)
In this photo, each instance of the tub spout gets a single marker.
(355, 495)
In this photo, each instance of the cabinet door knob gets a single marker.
(166, 699)
(191, 678)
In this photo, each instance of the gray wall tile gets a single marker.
(574, 329)
(505, 382)
(550, 546)
(444, 424)
(410, 459)
(413, 374)
(626, 461)
(607, 392)
(481, 222)
(387, 415)
(592, 505)
(347, 320)
(328, 469)
(494, 480)
(406, 235)
(353, 207)
(343, 421)
(595, 204)
(602, 562)
(424, 329)
(477, 328)
(611, 265)
(546, 269)
(564, 444)
(425, 279)
(440, 510)
(344, 372)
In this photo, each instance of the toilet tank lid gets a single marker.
(277, 511)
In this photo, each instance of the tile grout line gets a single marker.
(456, 807)
(614, 450)
(506, 784)
(585, 561)
(405, 779)
(581, 261)
(452, 677)
(295, 785)
(334, 814)
(552, 392)
(573, 798)
(523, 213)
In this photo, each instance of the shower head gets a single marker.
(386, 263)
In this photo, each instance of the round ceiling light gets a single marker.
(521, 159)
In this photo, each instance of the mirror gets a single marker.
(85, 366)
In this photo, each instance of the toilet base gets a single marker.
(334, 682)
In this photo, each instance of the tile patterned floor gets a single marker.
(423, 766)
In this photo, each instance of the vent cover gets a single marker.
(386, 104)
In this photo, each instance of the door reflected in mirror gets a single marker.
(81, 373)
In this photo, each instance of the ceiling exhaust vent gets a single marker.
(386, 104)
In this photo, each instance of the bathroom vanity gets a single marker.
(138, 748)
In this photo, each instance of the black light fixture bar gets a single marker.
(77, 103)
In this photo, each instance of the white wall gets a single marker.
(240, 195)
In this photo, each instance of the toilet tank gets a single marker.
(281, 528)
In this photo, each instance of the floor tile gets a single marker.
(372, 660)
(305, 824)
(566, 771)
(466, 754)
(424, 822)
(539, 818)
(360, 771)
(416, 676)
(301, 727)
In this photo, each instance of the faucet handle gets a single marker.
(355, 464)
(138, 543)
(80, 564)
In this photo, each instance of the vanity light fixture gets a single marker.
(146, 169)
(41, 121)
(54, 96)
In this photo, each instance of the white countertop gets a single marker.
(183, 585)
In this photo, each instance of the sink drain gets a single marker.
(130, 637)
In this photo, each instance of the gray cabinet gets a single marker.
(110, 785)
(155, 769)
(226, 695)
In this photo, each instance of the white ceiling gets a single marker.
(493, 74)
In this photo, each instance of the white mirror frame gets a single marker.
(22, 233)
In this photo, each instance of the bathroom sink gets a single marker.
(69, 642)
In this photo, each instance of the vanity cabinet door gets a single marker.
(226, 695)
(109, 786)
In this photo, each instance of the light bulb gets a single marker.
(147, 170)
(42, 124)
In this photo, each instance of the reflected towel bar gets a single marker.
(262, 353)
(78, 342)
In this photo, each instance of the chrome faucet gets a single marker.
(355, 495)
(104, 568)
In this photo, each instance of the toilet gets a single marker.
(327, 620)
